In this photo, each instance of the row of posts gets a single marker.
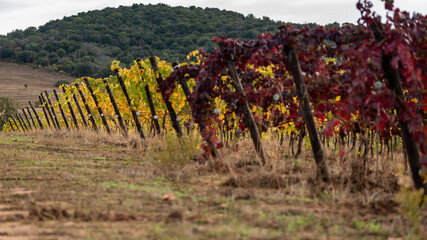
(17, 121)
(50, 113)
(53, 122)
(52, 118)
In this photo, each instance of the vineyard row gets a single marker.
(356, 82)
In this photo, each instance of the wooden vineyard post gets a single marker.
(89, 112)
(61, 110)
(14, 120)
(95, 99)
(182, 82)
(81, 114)
(45, 113)
(47, 117)
(393, 77)
(135, 116)
(152, 109)
(28, 120)
(187, 92)
(151, 105)
(53, 111)
(32, 119)
(46, 109)
(164, 121)
(19, 124)
(24, 128)
(21, 119)
(294, 66)
(249, 118)
(73, 115)
(171, 111)
(11, 125)
(37, 116)
(116, 108)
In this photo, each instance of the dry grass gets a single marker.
(86, 185)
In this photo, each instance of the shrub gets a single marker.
(171, 152)
(6, 52)
(61, 82)
(44, 62)
(83, 69)
(25, 56)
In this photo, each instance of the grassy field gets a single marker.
(13, 78)
(82, 185)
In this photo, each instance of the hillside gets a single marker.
(86, 43)
(13, 78)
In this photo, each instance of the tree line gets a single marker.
(86, 43)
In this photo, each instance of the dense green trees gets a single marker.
(85, 44)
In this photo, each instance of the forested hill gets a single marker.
(86, 43)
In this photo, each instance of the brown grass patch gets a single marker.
(77, 184)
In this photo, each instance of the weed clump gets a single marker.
(173, 153)
(61, 82)
(412, 202)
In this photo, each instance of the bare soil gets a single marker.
(13, 78)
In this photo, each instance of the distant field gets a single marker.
(13, 78)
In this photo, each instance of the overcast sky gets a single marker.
(20, 14)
